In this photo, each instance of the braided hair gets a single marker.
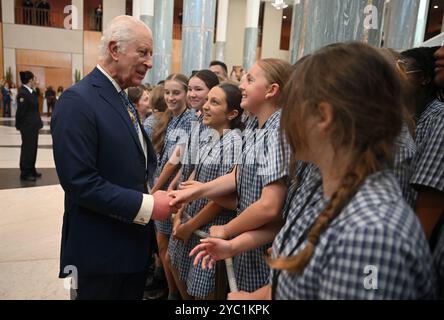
(364, 91)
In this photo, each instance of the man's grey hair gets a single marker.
(121, 30)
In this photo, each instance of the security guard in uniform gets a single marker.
(28, 122)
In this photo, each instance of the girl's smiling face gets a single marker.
(215, 110)
(197, 93)
(254, 87)
(175, 96)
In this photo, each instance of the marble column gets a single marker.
(197, 34)
(221, 29)
(317, 23)
(163, 40)
(400, 27)
(251, 33)
(144, 11)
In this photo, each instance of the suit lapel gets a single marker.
(108, 93)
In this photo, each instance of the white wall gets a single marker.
(112, 9)
(271, 38)
(9, 61)
(235, 33)
(40, 38)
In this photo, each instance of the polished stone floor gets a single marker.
(30, 221)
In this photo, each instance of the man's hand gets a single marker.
(162, 209)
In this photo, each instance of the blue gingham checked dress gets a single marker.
(177, 133)
(428, 166)
(378, 229)
(263, 162)
(149, 125)
(405, 151)
(216, 158)
(308, 179)
(198, 139)
(428, 163)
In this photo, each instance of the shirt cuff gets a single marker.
(146, 210)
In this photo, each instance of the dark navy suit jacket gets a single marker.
(101, 166)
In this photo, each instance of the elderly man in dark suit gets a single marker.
(104, 159)
(28, 122)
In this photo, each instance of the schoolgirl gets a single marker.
(356, 238)
(199, 86)
(260, 180)
(222, 113)
(170, 138)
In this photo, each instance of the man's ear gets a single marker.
(113, 48)
(325, 115)
(272, 91)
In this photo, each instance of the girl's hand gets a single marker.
(180, 197)
(211, 250)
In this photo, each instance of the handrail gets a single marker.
(39, 17)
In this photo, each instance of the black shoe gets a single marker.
(160, 294)
(155, 289)
(37, 174)
(28, 178)
(154, 284)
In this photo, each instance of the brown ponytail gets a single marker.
(159, 132)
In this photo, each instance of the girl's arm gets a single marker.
(429, 208)
(229, 201)
(214, 249)
(172, 164)
(177, 219)
(175, 181)
(205, 216)
(263, 211)
(221, 186)
(167, 172)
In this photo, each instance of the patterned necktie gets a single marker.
(131, 110)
